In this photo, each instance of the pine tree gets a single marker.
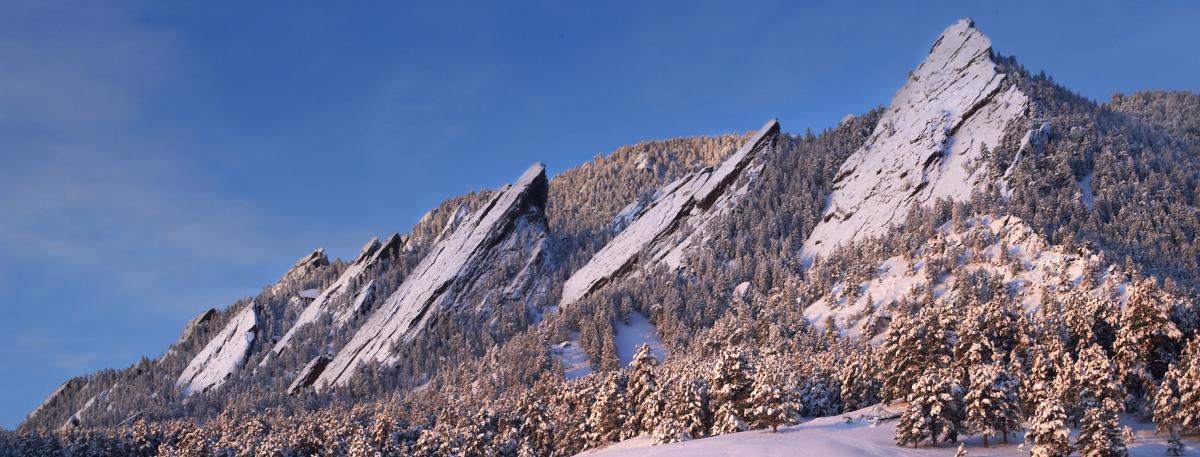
(645, 394)
(859, 386)
(1048, 431)
(1142, 344)
(993, 407)
(1187, 381)
(962, 451)
(731, 392)
(1167, 407)
(770, 405)
(694, 411)
(536, 432)
(609, 413)
(912, 345)
(935, 410)
(1100, 433)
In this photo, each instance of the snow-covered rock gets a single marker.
(370, 254)
(302, 268)
(648, 238)
(308, 374)
(509, 228)
(222, 356)
(927, 145)
(194, 324)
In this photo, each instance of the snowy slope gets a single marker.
(222, 356)
(1002, 246)
(927, 145)
(860, 433)
(647, 239)
(455, 261)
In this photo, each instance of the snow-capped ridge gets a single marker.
(645, 239)
(370, 254)
(454, 261)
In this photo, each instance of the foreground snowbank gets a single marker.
(851, 435)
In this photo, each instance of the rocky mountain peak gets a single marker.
(928, 144)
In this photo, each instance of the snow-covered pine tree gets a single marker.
(860, 387)
(935, 410)
(536, 431)
(1097, 378)
(1100, 432)
(1188, 417)
(1143, 341)
(1066, 386)
(694, 410)
(770, 405)
(1048, 433)
(731, 387)
(912, 345)
(645, 395)
(993, 407)
(609, 413)
(1167, 406)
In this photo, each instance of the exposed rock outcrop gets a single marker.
(223, 356)
(509, 228)
(194, 324)
(303, 267)
(648, 238)
(368, 257)
(308, 375)
(927, 146)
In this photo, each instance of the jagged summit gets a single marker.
(454, 263)
(928, 143)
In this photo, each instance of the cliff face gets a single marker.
(480, 249)
(222, 356)
(652, 231)
(927, 146)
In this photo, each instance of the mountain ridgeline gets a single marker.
(529, 319)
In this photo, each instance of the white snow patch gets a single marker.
(1085, 190)
(638, 331)
(575, 362)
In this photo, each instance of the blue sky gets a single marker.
(160, 158)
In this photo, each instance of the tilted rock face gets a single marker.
(928, 145)
(507, 231)
(223, 355)
(648, 238)
(308, 374)
(369, 256)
